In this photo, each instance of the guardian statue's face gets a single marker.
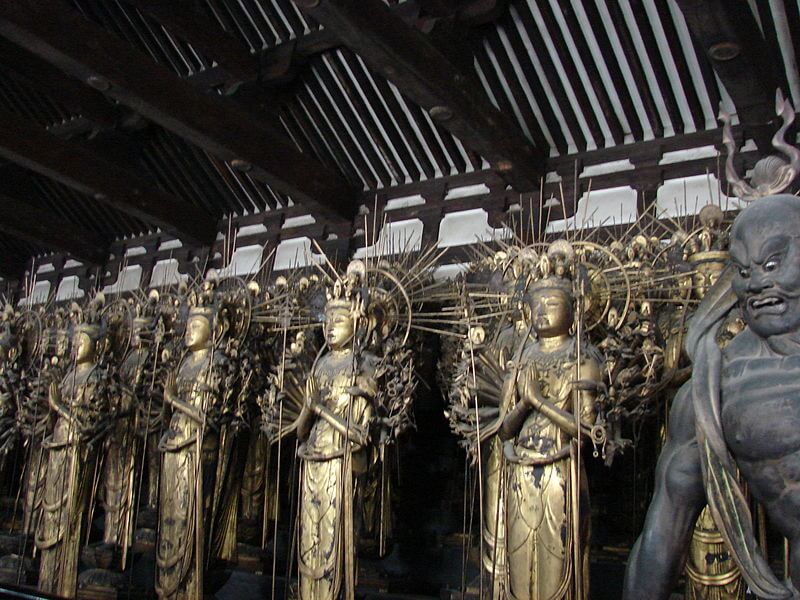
(765, 252)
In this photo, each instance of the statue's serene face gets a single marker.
(339, 327)
(765, 252)
(198, 332)
(84, 348)
(551, 312)
(705, 276)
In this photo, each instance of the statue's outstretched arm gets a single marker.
(657, 556)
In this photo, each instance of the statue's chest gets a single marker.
(334, 377)
(761, 406)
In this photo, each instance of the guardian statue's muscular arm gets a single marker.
(656, 559)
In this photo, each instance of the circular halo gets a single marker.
(600, 283)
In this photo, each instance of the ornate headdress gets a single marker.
(772, 174)
(90, 319)
(710, 242)
(349, 292)
(205, 301)
(556, 269)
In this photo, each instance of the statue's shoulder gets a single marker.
(746, 343)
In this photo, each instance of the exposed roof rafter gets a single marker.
(727, 31)
(26, 222)
(408, 59)
(187, 21)
(106, 181)
(56, 33)
(78, 98)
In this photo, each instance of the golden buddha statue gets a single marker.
(197, 497)
(121, 451)
(547, 508)
(509, 338)
(34, 418)
(335, 452)
(79, 405)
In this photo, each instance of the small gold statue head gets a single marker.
(706, 251)
(345, 305)
(84, 342)
(550, 296)
(551, 309)
(198, 329)
(202, 315)
(340, 324)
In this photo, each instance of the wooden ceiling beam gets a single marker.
(727, 32)
(72, 164)
(401, 54)
(187, 21)
(59, 35)
(64, 90)
(36, 226)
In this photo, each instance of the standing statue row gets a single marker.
(187, 415)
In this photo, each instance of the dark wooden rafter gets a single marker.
(729, 35)
(408, 59)
(106, 181)
(279, 63)
(551, 75)
(585, 54)
(56, 33)
(572, 75)
(634, 62)
(186, 20)
(674, 47)
(27, 222)
(653, 52)
(507, 69)
(614, 68)
(77, 98)
(529, 72)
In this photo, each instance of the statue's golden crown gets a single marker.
(204, 301)
(89, 320)
(346, 292)
(555, 269)
(709, 243)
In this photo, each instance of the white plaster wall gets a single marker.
(611, 206)
(394, 238)
(447, 272)
(245, 261)
(296, 253)
(69, 289)
(467, 227)
(165, 272)
(128, 280)
(39, 295)
(686, 196)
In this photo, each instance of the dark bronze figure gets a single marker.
(739, 411)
